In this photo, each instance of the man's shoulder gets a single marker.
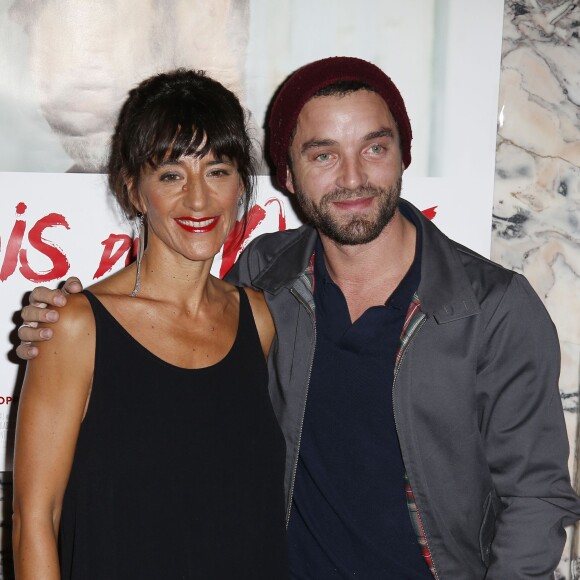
(279, 240)
(442, 249)
(277, 256)
(287, 245)
(437, 245)
(487, 278)
(453, 275)
(472, 259)
(492, 283)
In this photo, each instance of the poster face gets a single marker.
(67, 65)
(70, 64)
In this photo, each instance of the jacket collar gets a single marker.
(444, 291)
(288, 260)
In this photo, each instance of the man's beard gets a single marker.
(354, 230)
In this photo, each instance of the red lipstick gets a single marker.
(197, 225)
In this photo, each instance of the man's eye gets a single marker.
(323, 157)
(376, 148)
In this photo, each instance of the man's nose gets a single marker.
(352, 173)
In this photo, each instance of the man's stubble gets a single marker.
(355, 230)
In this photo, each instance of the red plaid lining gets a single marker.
(412, 320)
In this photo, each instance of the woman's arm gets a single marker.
(52, 405)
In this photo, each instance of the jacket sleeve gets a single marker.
(522, 423)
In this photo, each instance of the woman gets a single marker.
(146, 443)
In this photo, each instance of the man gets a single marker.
(416, 382)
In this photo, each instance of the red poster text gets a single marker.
(16, 253)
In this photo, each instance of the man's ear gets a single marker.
(289, 180)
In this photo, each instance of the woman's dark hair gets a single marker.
(169, 115)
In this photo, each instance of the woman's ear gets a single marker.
(134, 196)
(241, 193)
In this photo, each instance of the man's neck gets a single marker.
(367, 274)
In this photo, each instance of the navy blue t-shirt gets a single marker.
(349, 515)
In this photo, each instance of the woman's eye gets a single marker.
(218, 172)
(169, 177)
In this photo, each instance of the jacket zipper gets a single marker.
(396, 373)
(293, 479)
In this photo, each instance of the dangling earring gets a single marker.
(140, 251)
(241, 201)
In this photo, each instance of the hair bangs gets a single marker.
(188, 129)
(169, 134)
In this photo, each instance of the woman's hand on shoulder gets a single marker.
(40, 309)
(263, 318)
(75, 326)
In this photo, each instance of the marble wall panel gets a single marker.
(536, 218)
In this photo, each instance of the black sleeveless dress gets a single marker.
(178, 473)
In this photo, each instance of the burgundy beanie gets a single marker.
(303, 84)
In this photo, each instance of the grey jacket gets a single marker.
(475, 397)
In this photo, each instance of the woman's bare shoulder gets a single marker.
(257, 299)
(64, 365)
(263, 318)
(76, 312)
(75, 325)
